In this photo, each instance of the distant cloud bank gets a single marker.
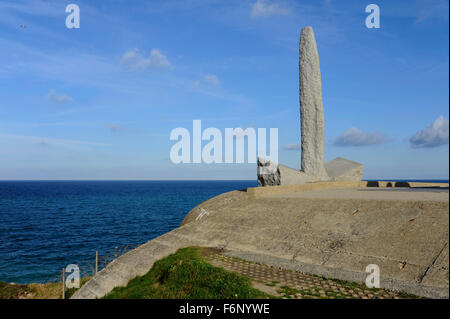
(265, 8)
(434, 135)
(292, 147)
(356, 137)
(212, 79)
(134, 60)
(58, 98)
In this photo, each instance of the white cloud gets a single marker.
(212, 79)
(266, 8)
(356, 137)
(209, 80)
(58, 98)
(435, 134)
(293, 147)
(134, 60)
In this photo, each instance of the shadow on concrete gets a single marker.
(401, 184)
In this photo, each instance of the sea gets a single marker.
(47, 225)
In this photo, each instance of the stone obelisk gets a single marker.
(311, 107)
(313, 168)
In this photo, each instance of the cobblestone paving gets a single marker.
(290, 284)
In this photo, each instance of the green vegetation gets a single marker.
(288, 292)
(273, 283)
(10, 291)
(50, 290)
(314, 292)
(186, 274)
(355, 286)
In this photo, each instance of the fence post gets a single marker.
(96, 262)
(64, 283)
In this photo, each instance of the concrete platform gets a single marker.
(329, 229)
(422, 194)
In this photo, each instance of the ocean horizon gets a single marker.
(431, 180)
(47, 224)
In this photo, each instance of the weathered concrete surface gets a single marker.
(311, 107)
(285, 189)
(370, 194)
(333, 236)
(341, 169)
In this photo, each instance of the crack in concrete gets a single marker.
(421, 277)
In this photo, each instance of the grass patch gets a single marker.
(335, 294)
(51, 290)
(361, 287)
(406, 295)
(187, 275)
(273, 283)
(288, 292)
(9, 291)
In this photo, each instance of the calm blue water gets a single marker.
(46, 225)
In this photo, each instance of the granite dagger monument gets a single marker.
(313, 168)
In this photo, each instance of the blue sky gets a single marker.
(99, 102)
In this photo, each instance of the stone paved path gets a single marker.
(291, 284)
